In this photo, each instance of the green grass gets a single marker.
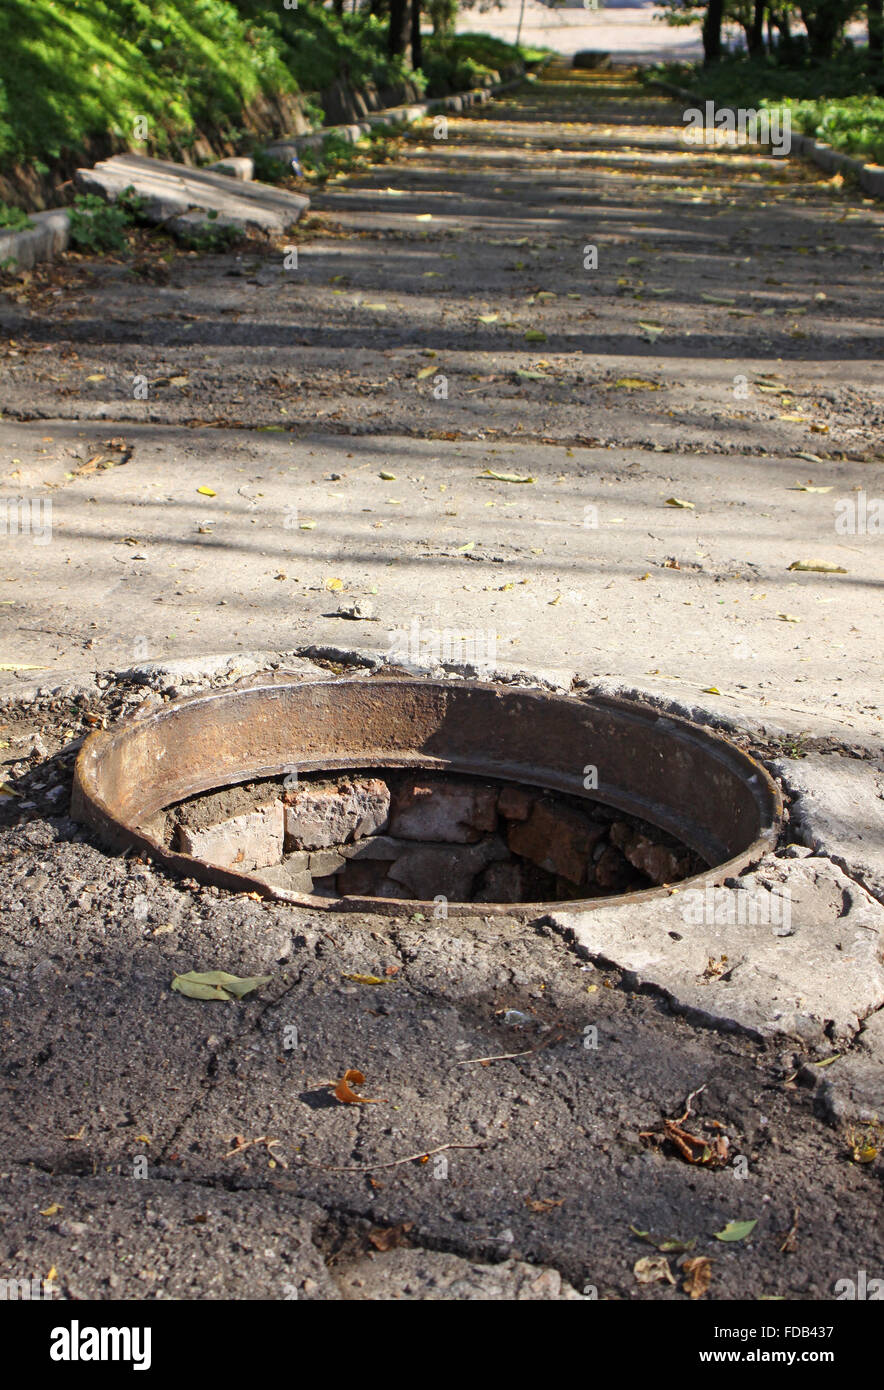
(75, 69)
(840, 102)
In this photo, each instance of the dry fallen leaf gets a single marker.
(652, 1269)
(698, 1275)
(504, 477)
(365, 979)
(818, 566)
(207, 491)
(677, 502)
(343, 1089)
(334, 584)
(388, 1237)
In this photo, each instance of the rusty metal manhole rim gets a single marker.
(94, 803)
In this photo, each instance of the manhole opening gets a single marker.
(385, 833)
(486, 785)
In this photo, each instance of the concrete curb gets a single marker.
(869, 176)
(48, 237)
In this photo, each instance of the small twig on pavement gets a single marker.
(393, 1162)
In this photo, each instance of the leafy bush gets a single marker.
(99, 226)
(13, 219)
(456, 63)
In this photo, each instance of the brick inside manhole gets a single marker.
(381, 793)
(426, 836)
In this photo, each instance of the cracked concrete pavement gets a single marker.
(286, 396)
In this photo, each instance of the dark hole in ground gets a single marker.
(424, 835)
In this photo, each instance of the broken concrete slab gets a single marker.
(175, 194)
(850, 1090)
(838, 811)
(46, 238)
(429, 1275)
(793, 950)
(234, 167)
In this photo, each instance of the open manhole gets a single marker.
(387, 795)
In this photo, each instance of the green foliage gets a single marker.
(13, 219)
(98, 226)
(841, 102)
(456, 63)
(269, 169)
(71, 69)
(211, 240)
(320, 47)
(852, 124)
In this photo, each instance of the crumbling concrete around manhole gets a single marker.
(228, 1110)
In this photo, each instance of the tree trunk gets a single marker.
(755, 35)
(712, 31)
(338, 7)
(875, 13)
(416, 49)
(822, 24)
(396, 34)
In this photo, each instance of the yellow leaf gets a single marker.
(334, 584)
(97, 376)
(636, 383)
(51, 1210)
(795, 419)
(504, 477)
(488, 318)
(365, 979)
(819, 566)
(207, 492)
(711, 690)
(424, 217)
(677, 502)
(425, 372)
(308, 526)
